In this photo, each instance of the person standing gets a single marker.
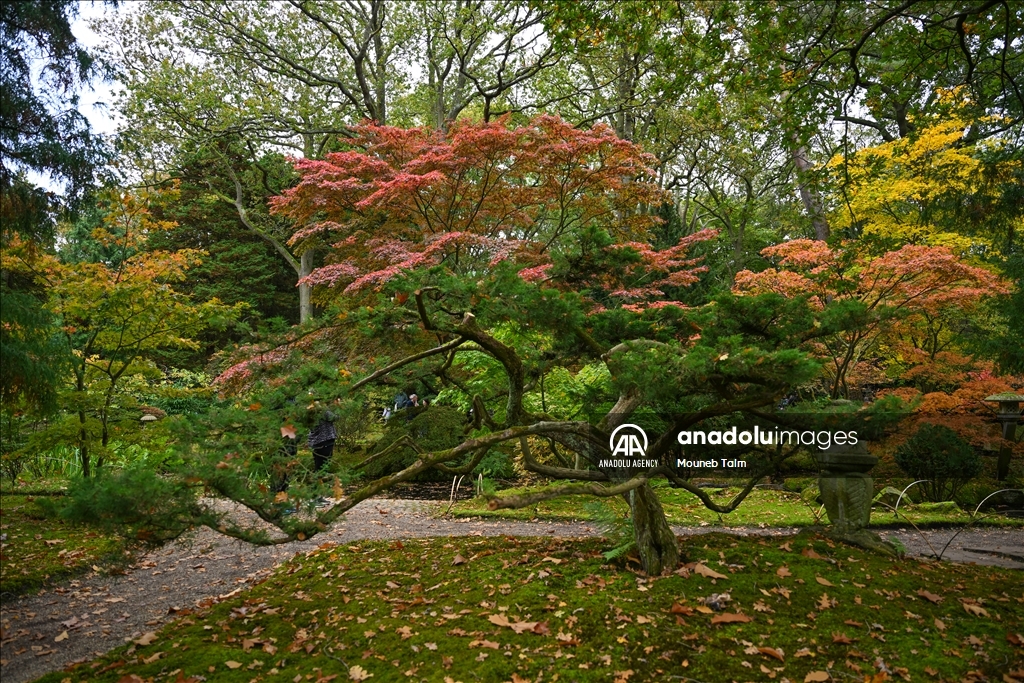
(321, 440)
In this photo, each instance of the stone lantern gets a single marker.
(1008, 416)
(847, 491)
(846, 486)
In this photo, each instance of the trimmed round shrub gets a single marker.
(938, 455)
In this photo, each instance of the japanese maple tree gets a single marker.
(115, 307)
(490, 257)
(899, 295)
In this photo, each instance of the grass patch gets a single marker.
(39, 549)
(763, 507)
(473, 609)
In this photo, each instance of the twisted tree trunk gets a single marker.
(659, 551)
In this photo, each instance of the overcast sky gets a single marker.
(97, 101)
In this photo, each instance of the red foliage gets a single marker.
(480, 194)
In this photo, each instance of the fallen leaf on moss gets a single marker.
(145, 638)
(708, 572)
(730, 618)
(358, 673)
(976, 610)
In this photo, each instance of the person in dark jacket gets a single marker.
(321, 440)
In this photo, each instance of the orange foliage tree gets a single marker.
(899, 296)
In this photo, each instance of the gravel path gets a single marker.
(99, 612)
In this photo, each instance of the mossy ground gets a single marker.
(763, 507)
(40, 549)
(532, 609)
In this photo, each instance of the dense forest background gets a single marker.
(298, 191)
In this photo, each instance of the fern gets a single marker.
(616, 528)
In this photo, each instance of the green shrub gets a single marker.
(433, 429)
(938, 455)
(497, 464)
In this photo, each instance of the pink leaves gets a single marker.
(535, 274)
(404, 199)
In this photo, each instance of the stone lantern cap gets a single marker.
(1009, 404)
(847, 459)
(1006, 397)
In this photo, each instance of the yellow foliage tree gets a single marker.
(932, 188)
(113, 312)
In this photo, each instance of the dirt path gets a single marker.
(100, 612)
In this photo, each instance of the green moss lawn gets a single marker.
(514, 609)
(763, 507)
(40, 549)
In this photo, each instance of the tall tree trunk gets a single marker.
(808, 195)
(655, 541)
(83, 431)
(83, 447)
(305, 290)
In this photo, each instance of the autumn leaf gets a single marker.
(730, 618)
(772, 652)
(404, 631)
(523, 626)
(940, 624)
(841, 638)
(288, 431)
(680, 609)
(816, 677)
(231, 664)
(783, 572)
(809, 552)
(484, 643)
(976, 610)
(146, 638)
(358, 673)
(823, 582)
(931, 597)
(63, 636)
(499, 620)
(459, 559)
(706, 571)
